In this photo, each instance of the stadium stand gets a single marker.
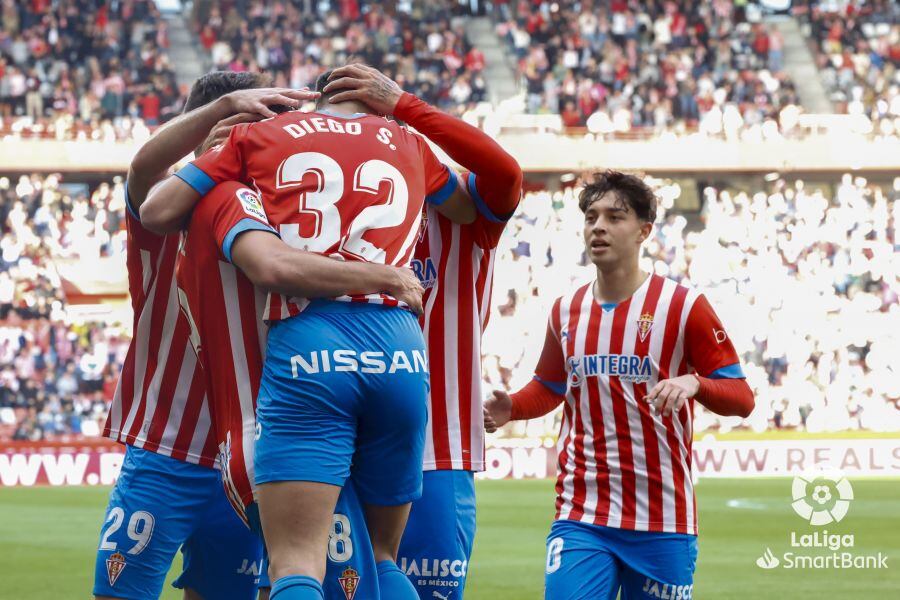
(424, 47)
(818, 354)
(57, 375)
(858, 55)
(84, 69)
(621, 65)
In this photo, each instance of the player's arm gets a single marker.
(169, 204)
(198, 128)
(467, 145)
(718, 382)
(541, 395)
(498, 175)
(274, 266)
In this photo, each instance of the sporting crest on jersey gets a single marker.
(645, 324)
(349, 581)
(573, 365)
(251, 204)
(115, 564)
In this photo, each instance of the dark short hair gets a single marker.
(213, 86)
(321, 82)
(630, 191)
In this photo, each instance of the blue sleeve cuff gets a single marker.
(728, 372)
(192, 175)
(242, 226)
(439, 197)
(134, 214)
(481, 205)
(553, 386)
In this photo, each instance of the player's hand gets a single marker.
(261, 101)
(364, 84)
(497, 410)
(669, 395)
(220, 132)
(406, 287)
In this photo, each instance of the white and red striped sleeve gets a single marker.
(160, 400)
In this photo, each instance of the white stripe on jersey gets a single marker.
(610, 437)
(169, 321)
(661, 314)
(638, 453)
(185, 376)
(581, 403)
(141, 341)
(242, 375)
(451, 351)
(689, 300)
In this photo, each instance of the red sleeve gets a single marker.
(496, 185)
(708, 348)
(229, 210)
(139, 238)
(225, 162)
(496, 205)
(533, 401)
(551, 367)
(726, 397)
(440, 181)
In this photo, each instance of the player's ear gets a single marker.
(645, 230)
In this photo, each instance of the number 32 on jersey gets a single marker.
(318, 207)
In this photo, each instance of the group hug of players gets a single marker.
(302, 411)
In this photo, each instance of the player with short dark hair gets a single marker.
(161, 412)
(344, 379)
(627, 354)
(455, 263)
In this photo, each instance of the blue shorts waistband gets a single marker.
(322, 305)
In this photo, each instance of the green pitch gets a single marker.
(48, 537)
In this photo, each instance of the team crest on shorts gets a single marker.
(349, 580)
(115, 564)
(645, 324)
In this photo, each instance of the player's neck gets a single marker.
(343, 108)
(618, 284)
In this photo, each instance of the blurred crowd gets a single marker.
(57, 373)
(421, 44)
(804, 277)
(84, 68)
(858, 56)
(656, 65)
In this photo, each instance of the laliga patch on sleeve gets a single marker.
(251, 204)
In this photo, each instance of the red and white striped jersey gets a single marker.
(338, 185)
(455, 264)
(160, 401)
(227, 331)
(621, 465)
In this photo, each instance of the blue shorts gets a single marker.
(160, 504)
(345, 384)
(350, 570)
(437, 542)
(586, 561)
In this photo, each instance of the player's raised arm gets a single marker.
(199, 128)
(467, 145)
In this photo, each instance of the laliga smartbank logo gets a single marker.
(821, 499)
